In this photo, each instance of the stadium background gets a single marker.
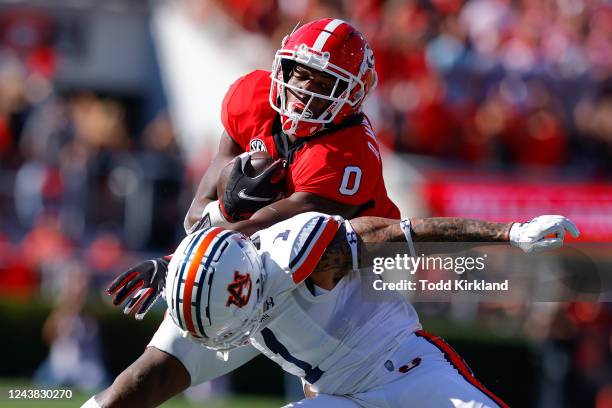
(109, 115)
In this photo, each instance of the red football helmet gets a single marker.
(332, 46)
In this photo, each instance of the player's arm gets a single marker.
(152, 379)
(529, 236)
(207, 189)
(374, 229)
(283, 209)
(337, 259)
(169, 365)
(541, 233)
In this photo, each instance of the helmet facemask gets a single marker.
(231, 335)
(234, 333)
(297, 117)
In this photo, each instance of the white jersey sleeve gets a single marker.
(291, 249)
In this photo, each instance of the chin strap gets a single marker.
(351, 238)
(407, 230)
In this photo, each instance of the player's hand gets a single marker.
(245, 195)
(146, 279)
(532, 236)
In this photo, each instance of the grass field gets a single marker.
(177, 402)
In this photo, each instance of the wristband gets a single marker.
(211, 216)
(351, 238)
(213, 210)
(514, 235)
(407, 230)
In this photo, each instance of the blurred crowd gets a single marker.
(80, 177)
(497, 83)
(88, 186)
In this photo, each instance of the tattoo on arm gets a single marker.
(374, 229)
(336, 260)
(459, 230)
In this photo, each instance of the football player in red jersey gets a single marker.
(307, 115)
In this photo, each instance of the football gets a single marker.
(257, 163)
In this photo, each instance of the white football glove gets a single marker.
(529, 236)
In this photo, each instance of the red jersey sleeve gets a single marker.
(344, 169)
(228, 112)
(245, 107)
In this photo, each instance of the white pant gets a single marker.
(431, 382)
(201, 363)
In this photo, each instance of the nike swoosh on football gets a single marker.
(245, 196)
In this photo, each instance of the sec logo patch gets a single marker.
(257, 145)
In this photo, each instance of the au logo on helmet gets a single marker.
(239, 290)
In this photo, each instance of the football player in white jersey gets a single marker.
(294, 292)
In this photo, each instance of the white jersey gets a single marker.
(334, 340)
(357, 347)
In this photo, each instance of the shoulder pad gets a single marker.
(297, 244)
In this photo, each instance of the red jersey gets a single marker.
(341, 164)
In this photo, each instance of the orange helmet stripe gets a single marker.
(191, 275)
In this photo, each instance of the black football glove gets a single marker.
(146, 279)
(244, 195)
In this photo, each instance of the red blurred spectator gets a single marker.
(105, 253)
(433, 129)
(28, 32)
(18, 280)
(46, 243)
(537, 139)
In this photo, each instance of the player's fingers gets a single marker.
(280, 173)
(132, 300)
(241, 162)
(120, 281)
(546, 244)
(127, 290)
(147, 304)
(234, 176)
(546, 228)
(271, 170)
(136, 300)
(549, 222)
(237, 168)
(570, 227)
